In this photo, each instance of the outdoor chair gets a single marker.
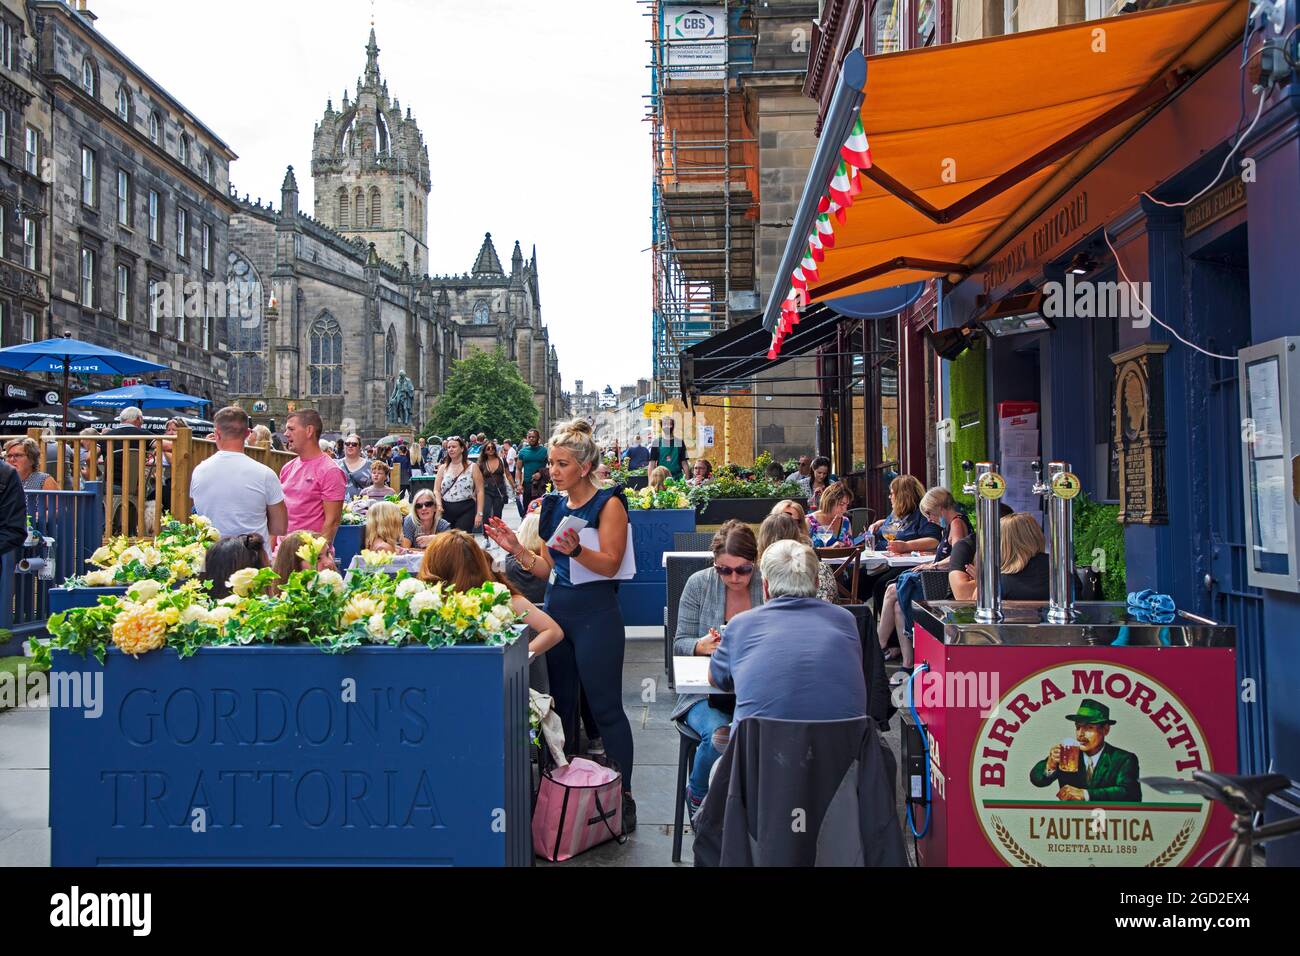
(688, 742)
(934, 585)
(692, 540)
(859, 520)
(679, 569)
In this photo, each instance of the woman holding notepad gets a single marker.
(582, 596)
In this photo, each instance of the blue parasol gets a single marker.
(141, 396)
(69, 355)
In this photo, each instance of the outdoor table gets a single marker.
(691, 676)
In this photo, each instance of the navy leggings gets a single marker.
(590, 660)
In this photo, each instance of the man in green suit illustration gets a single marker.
(1098, 772)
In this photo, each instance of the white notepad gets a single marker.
(590, 538)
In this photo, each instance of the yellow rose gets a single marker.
(103, 557)
(361, 606)
(199, 521)
(138, 630)
(171, 615)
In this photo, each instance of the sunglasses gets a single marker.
(352, 444)
(424, 504)
(728, 572)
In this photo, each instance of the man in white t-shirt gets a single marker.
(238, 494)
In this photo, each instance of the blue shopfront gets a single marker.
(1175, 252)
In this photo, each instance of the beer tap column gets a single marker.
(990, 487)
(1061, 488)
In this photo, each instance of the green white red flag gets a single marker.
(855, 150)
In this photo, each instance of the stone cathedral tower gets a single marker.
(371, 171)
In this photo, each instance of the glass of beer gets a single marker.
(1069, 756)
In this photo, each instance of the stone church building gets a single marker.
(346, 304)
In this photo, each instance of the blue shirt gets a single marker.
(636, 456)
(794, 658)
(554, 509)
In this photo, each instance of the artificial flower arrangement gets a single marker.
(730, 481)
(672, 495)
(317, 607)
(176, 554)
(354, 509)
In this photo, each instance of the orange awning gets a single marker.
(983, 135)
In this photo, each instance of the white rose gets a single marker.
(376, 629)
(151, 557)
(143, 591)
(230, 600)
(503, 613)
(409, 587)
(220, 614)
(499, 589)
(131, 554)
(329, 581)
(241, 581)
(199, 521)
(195, 613)
(423, 601)
(99, 579)
(492, 623)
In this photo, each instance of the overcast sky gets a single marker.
(531, 110)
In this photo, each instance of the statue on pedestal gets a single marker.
(399, 403)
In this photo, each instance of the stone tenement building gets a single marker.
(24, 196)
(139, 199)
(355, 307)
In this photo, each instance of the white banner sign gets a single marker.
(689, 35)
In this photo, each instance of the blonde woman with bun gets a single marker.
(590, 661)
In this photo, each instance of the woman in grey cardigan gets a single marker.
(711, 598)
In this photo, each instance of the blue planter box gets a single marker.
(347, 543)
(641, 600)
(749, 510)
(255, 756)
(64, 599)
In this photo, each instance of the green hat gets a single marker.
(1091, 712)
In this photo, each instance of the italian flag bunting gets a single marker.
(825, 231)
(809, 265)
(815, 244)
(838, 211)
(824, 204)
(797, 279)
(841, 187)
(855, 181)
(855, 149)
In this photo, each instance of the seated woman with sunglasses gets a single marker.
(423, 522)
(711, 598)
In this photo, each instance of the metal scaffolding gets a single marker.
(704, 200)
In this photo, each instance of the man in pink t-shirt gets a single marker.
(313, 482)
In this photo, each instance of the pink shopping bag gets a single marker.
(578, 807)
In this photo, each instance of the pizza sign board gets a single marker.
(1056, 767)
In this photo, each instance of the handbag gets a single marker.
(579, 806)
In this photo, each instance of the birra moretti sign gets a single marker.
(1056, 768)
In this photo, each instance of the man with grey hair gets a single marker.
(795, 657)
(129, 417)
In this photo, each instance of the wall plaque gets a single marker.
(1140, 435)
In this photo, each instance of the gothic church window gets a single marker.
(481, 314)
(359, 210)
(326, 357)
(376, 208)
(344, 208)
(382, 140)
